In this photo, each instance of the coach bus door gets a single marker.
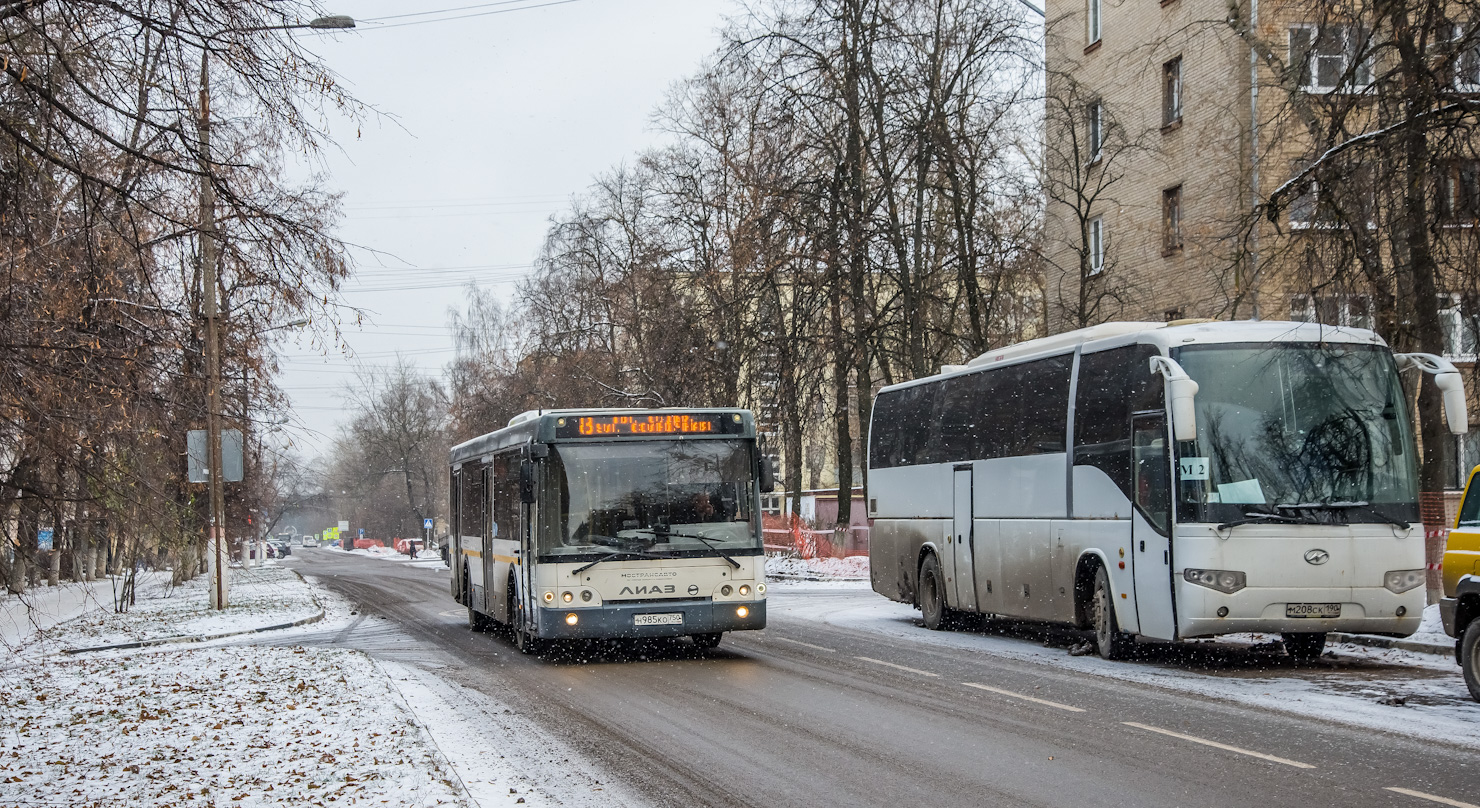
(963, 541)
(1151, 525)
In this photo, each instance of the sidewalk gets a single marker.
(23, 617)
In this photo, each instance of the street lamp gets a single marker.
(211, 309)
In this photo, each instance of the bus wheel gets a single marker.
(705, 642)
(1111, 641)
(933, 595)
(477, 621)
(526, 642)
(1469, 657)
(1304, 646)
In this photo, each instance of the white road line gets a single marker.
(1205, 742)
(806, 644)
(898, 667)
(1044, 702)
(1430, 797)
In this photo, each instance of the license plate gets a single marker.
(675, 619)
(1312, 609)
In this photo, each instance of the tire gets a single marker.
(1469, 657)
(1304, 646)
(524, 639)
(933, 595)
(706, 642)
(1110, 641)
(477, 621)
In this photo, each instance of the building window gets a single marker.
(1171, 92)
(1327, 58)
(1093, 9)
(1351, 311)
(1460, 329)
(1171, 220)
(1094, 115)
(1096, 245)
(1467, 58)
(1459, 190)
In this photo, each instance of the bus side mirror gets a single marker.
(1447, 378)
(767, 475)
(1182, 391)
(526, 482)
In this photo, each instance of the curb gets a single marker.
(187, 638)
(1389, 642)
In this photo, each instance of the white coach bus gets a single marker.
(599, 524)
(1166, 481)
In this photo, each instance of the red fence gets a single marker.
(788, 534)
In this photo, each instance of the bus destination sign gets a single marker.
(596, 426)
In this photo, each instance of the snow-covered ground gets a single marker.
(1416, 694)
(261, 596)
(243, 726)
(22, 617)
(786, 568)
(430, 558)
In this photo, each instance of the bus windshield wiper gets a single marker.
(1256, 517)
(708, 542)
(1343, 506)
(615, 554)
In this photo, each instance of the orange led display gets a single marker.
(593, 426)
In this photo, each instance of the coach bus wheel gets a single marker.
(933, 595)
(1304, 646)
(1469, 657)
(1110, 640)
(704, 642)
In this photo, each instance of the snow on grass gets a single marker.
(1415, 694)
(258, 597)
(785, 568)
(242, 726)
(24, 616)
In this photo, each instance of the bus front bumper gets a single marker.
(621, 621)
(1364, 610)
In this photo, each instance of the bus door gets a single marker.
(964, 542)
(1151, 525)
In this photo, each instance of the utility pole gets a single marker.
(216, 540)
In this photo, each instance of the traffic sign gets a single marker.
(362, 533)
(426, 524)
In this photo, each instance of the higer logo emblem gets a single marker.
(1317, 557)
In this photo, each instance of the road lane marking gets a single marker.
(1205, 742)
(1044, 702)
(897, 667)
(806, 644)
(1430, 797)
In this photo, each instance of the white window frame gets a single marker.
(1095, 117)
(1352, 311)
(1096, 245)
(1171, 91)
(1311, 58)
(1452, 315)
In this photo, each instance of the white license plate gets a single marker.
(674, 619)
(1312, 609)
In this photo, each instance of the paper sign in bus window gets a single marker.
(1193, 468)
(1243, 492)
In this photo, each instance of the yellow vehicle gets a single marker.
(1460, 606)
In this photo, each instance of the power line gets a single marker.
(443, 10)
(469, 16)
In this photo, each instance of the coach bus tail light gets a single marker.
(1228, 581)
(1400, 581)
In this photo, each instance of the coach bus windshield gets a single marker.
(1320, 425)
(670, 498)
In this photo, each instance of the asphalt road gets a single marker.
(808, 714)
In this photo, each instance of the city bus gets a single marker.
(1160, 481)
(610, 524)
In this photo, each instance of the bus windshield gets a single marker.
(1286, 424)
(670, 498)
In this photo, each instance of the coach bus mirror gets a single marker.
(1456, 409)
(526, 482)
(767, 476)
(1182, 391)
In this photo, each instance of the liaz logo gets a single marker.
(655, 589)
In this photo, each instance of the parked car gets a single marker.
(284, 549)
(1460, 606)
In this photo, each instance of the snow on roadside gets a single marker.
(786, 568)
(258, 597)
(246, 726)
(22, 617)
(1435, 704)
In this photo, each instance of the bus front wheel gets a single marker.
(1469, 657)
(1111, 642)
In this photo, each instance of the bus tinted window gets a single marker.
(1037, 396)
(474, 500)
(505, 497)
(1112, 385)
(902, 426)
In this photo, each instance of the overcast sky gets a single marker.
(499, 119)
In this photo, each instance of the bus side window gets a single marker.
(1149, 467)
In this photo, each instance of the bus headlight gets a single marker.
(586, 595)
(567, 597)
(725, 590)
(1228, 581)
(549, 597)
(744, 590)
(571, 619)
(742, 612)
(1400, 581)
